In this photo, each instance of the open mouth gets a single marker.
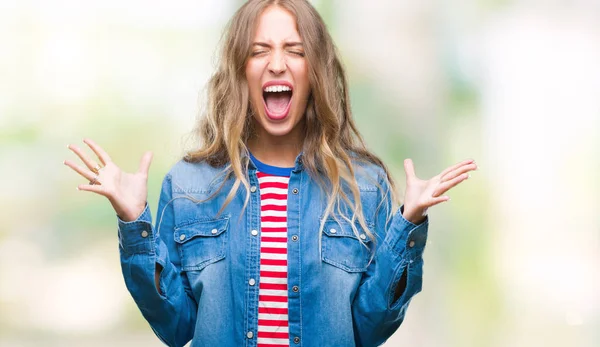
(277, 99)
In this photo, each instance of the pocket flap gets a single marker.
(207, 228)
(343, 228)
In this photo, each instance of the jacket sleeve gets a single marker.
(397, 262)
(171, 313)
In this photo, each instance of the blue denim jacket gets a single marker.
(339, 297)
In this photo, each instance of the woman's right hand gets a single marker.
(127, 192)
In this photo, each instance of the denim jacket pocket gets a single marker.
(201, 243)
(342, 249)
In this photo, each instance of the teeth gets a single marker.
(276, 89)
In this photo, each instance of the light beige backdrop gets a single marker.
(512, 260)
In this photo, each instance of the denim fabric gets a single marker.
(209, 258)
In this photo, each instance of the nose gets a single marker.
(277, 64)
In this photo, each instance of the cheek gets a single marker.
(301, 77)
(253, 72)
(302, 69)
(253, 78)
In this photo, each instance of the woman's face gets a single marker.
(277, 74)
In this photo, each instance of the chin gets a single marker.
(276, 129)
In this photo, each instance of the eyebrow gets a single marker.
(287, 44)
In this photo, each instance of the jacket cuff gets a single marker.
(406, 238)
(137, 236)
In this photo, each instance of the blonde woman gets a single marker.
(279, 229)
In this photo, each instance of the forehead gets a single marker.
(277, 25)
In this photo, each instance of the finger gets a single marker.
(92, 188)
(145, 163)
(102, 155)
(456, 166)
(91, 164)
(444, 187)
(409, 168)
(459, 171)
(438, 200)
(80, 170)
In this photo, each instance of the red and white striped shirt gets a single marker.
(273, 289)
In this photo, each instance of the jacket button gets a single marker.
(214, 231)
(250, 334)
(295, 191)
(182, 237)
(333, 231)
(252, 281)
(254, 232)
(144, 234)
(294, 238)
(295, 289)
(411, 244)
(296, 339)
(363, 236)
(253, 189)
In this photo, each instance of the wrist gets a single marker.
(415, 216)
(131, 215)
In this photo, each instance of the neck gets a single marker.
(273, 150)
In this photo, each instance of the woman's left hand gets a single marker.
(421, 194)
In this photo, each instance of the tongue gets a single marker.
(277, 102)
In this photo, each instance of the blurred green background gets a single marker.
(512, 260)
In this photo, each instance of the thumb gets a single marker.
(409, 169)
(145, 163)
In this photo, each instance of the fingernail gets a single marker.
(77, 188)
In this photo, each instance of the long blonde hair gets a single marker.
(332, 141)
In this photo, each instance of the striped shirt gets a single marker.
(273, 288)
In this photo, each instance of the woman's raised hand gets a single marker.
(127, 192)
(421, 194)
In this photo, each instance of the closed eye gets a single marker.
(255, 53)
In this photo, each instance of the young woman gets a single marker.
(279, 229)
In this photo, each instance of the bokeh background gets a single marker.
(512, 260)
